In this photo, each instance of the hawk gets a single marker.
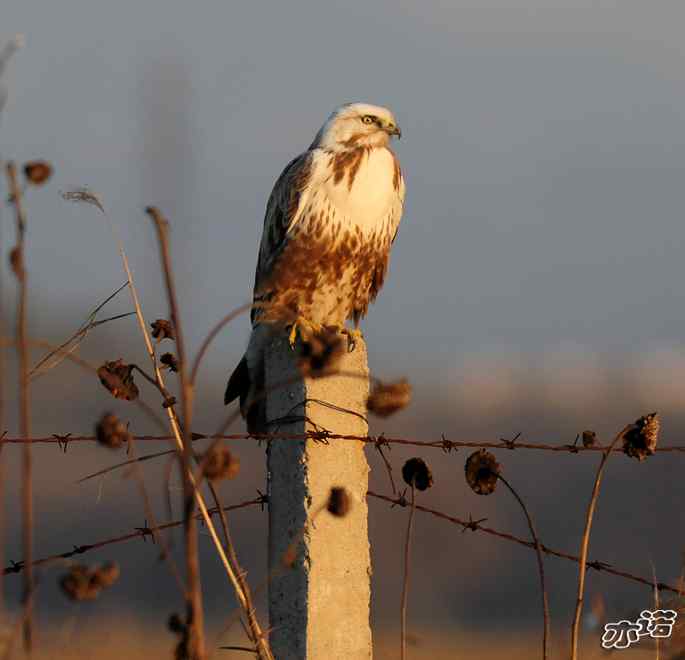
(330, 221)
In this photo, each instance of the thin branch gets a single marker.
(86, 196)
(405, 581)
(195, 616)
(157, 537)
(18, 261)
(541, 568)
(87, 366)
(212, 335)
(575, 628)
(75, 340)
(131, 461)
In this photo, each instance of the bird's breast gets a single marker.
(363, 185)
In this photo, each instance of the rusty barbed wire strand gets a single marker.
(444, 444)
(140, 532)
(475, 525)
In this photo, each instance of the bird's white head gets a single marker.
(355, 125)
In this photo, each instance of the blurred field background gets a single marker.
(535, 285)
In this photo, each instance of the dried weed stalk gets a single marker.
(24, 403)
(585, 542)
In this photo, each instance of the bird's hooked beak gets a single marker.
(393, 129)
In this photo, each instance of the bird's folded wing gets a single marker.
(283, 211)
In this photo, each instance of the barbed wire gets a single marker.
(63, 440)
(476, 526)
(470, 524)
(139, 532)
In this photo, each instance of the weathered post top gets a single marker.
(319, 607)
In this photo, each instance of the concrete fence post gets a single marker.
(319, 607)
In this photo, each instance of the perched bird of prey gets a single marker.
(330, 221)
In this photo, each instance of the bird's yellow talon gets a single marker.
(292, 337)
(304, 328)
(353, 336)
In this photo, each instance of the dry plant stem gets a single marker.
(266, 654)
(82, 331)
(656, 607)
(250, 610)
(195, 614)
(405, 583)
(212, 335)
(575, 628)
(87, 366)
(24, 413)
(262, 645)
(541, 569)
(2, 424)
(154, 528)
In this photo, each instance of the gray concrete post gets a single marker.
(318, 608)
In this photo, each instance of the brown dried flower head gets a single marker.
(84, 583)
(37, 172)
(417, 473)
(111, 432)
(321, 353)
(589, 438)
(163, 329)
(387, 398)
(339, 502)
(170, 362)
(116, 376)
(481, 471)
(220, 463)
(175, 624)
(106, 574)
(640, 440)
(17, 262)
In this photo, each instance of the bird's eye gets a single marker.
(368, 119)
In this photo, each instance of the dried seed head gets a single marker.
(17, 262)
(220, 463)
(111, 432)
(170, 362)
(84, 583)
(162, 329)
(118, 379)
(320, 354)
(640, 440)
(37, 172)
(175, 624)
(339, 502)
(85, 196)
(481, 472)
(76, 584)
(387, 398)
(415, 472)
(107, 574)
(589, 438)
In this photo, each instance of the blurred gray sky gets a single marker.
(543, 151)
(544, 154)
